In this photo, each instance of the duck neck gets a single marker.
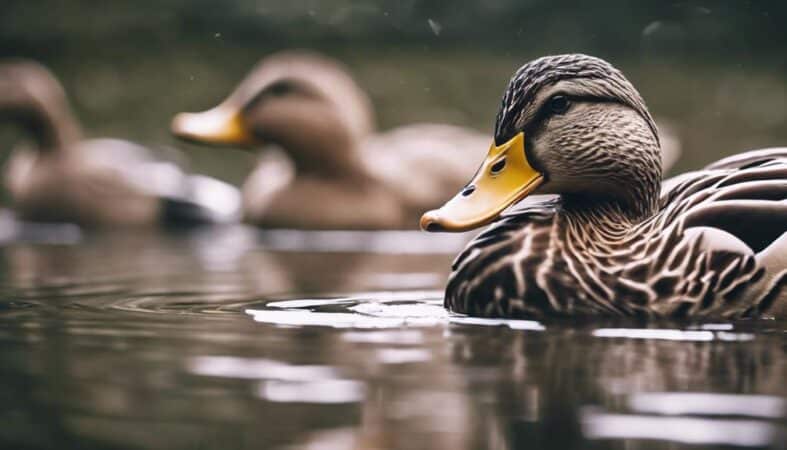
(612, 217)
(632, 209)
(331, 160)
(51, 125)
(314, 135)
(628, 191)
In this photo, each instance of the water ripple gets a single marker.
(364, 310)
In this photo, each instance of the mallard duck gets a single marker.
(332, 170)
(616, 241)
(94, 182)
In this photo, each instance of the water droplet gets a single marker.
(702, 10)
(651, 28)
(435, 26)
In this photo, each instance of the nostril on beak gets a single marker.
(430, 222)
(434, 227)
(468, 190)
(498, 167)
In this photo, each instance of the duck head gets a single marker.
(571, 125)
(32, 97)
(304, 103)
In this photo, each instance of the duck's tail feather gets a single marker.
(774, 284)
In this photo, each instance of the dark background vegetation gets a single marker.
(714, 70)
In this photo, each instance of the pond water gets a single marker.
(238, 338)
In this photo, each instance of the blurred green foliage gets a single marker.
(614, 26)
(716, 69)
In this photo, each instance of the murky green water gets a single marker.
(236, 338)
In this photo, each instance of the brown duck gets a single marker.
(332, 170)
(617, 240)
(97, 182)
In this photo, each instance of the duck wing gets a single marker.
(739, 207)
(750, 158)
(744, 195)
(129, 169)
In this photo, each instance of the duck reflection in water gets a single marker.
(553, 390)
(331, 171)
(93, 182)
(566, 386)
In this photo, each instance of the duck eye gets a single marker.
(559, 104)
(497, 167)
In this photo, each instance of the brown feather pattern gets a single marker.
(548, 260)
(709, 245)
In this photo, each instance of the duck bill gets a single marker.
(504, 178)
(222, 125)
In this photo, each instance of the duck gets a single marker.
(322, 163)
(614, 238)
(57, 175)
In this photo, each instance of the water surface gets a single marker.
(236, 338)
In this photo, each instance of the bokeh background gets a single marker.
(103, 340)
(714, 70)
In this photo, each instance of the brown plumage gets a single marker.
(332, 170)
(618, 241)
(95, 182)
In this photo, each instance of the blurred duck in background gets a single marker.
(95, 182)
(331, 170)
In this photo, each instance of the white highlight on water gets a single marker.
(393, 242)
(671, 334)
(514, 324)
(319, 391)
(403, 355)
(689, 430)
(281, 382)
(257, 369)
(705, 403)
(376, 310)
(401, 337)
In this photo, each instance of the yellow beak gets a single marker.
(504, 178)
(222, 125)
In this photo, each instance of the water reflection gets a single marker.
(142, 342)
(257, 369)
(392, 242)
(558, 388)
(672, 335)
(372, 310)
(671, 403)
(312, 391)
(739, 433)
